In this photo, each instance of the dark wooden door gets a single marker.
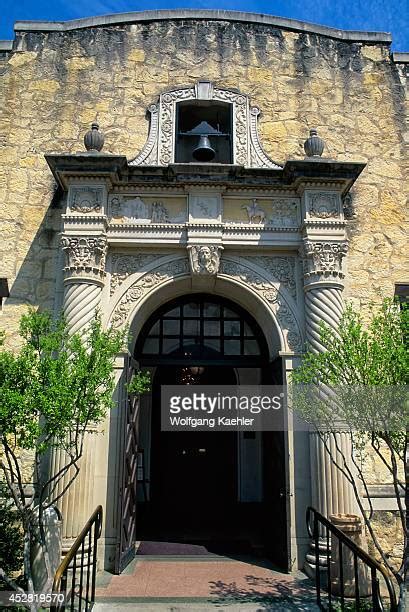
(193, 472)
(128, 489)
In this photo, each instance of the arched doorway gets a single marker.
(224, 489)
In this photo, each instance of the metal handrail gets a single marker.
(94, 524)
(359, 553)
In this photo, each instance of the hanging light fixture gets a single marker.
(190, 375)
(196, 370)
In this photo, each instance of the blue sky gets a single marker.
(379, 15)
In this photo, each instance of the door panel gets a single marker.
(192, 471)
(275, 526)
(127, 494)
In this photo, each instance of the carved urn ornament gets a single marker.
(94, 139)
(314, 145)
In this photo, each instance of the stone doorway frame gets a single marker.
(250, 298)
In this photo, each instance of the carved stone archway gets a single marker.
(270, 237)
(272, 294)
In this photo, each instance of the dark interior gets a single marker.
(203, 118)
(194, 498)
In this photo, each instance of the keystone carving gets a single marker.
(204, 260)
(85, 255)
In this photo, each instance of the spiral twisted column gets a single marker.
(323, 285)
(322, 304)
(81, 300)
(84, 274)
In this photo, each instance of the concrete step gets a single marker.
(282, 605)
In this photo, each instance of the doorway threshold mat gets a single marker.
(202, 548)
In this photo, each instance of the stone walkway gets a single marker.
(203, 583)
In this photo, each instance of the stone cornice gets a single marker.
(249, 228)
(400, 58)
(323, 224)
(314, 172)
(115, 171)
(322, 172)
(6, 45)
(202, 14)
(86, 167)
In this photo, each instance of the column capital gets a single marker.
(323, 262)
(84, 257)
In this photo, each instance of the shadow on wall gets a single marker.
(38, 280)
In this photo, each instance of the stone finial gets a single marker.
(314, 145)
(94, 139)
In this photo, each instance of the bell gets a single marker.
(204, 151)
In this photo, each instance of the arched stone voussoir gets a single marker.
(275, 296)
(248, 285)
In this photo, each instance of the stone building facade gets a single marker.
(284, 236)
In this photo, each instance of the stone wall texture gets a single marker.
(56, 83)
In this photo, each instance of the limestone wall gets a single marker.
(55, 83)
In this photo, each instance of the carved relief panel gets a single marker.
(205, 208)
(279, 212)
(86, 199)
(135, 209)
(323, 204)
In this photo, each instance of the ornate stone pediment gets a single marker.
(159, 149)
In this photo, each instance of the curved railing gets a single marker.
(319, 530)
(76, 574)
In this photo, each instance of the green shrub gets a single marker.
(11, 537)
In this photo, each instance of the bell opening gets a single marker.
(203, 132)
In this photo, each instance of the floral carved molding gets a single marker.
(281, 268)
(123, 265)
(269, 292)
(144, 285)
(256, 282)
